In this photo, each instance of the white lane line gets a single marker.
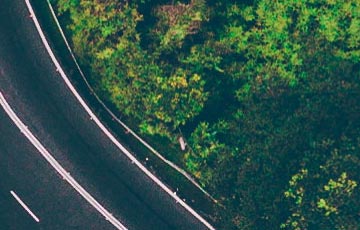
(65, 175)
(104, 129)
(27, 209)
(127, 128)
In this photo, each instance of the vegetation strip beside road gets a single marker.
(127, 128)
(265, 93)
(95, 119)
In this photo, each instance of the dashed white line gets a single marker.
(64, 174)
(27, 209)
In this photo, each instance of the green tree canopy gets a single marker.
(266, 92)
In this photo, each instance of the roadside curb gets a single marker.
(129, 130)
(95, 119)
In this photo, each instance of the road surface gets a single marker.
(33, 88)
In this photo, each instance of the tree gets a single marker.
(267, 93)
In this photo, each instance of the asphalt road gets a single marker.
(32, 86)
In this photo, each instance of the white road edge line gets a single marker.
(27, 209)
(65, 175)
(104, 129)
(127, 128)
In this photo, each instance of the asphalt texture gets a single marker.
(34, 89)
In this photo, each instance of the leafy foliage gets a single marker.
(267, 93)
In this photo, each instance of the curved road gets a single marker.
(34, 89)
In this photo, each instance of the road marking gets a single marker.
(63, 173)
(17, 198)
(114, 117)
(104, 129)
